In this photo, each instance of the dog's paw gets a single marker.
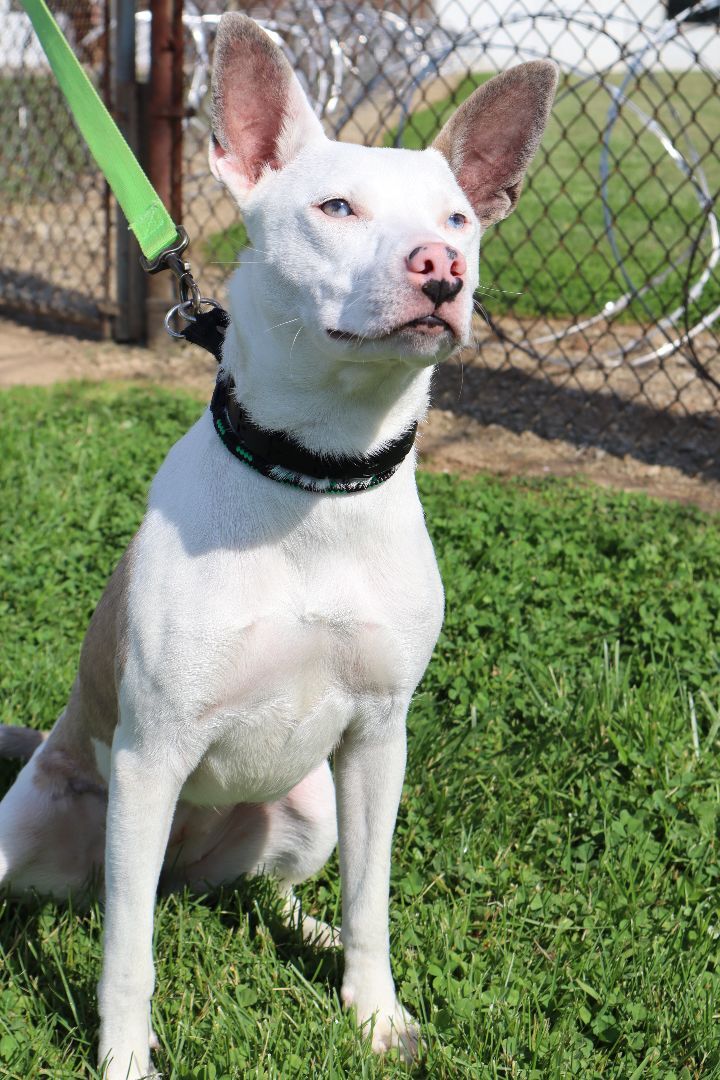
(388, 1025)
(126, 1039)
(128, 1066)
(397, 1031)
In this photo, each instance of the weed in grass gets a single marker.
(555, 880)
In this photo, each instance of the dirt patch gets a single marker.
(652, 427)
(36, 358)
(465, 446)
(489, 417)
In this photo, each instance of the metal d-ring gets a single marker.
(188, 310)
(189, 291)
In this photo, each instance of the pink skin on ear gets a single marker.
(491, 139)
(260, 115)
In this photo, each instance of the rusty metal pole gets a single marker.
(131, 280)
(164, 137)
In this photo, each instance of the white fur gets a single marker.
(268, 627)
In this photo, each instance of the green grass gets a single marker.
(46, 157)
(223, 247)
(551, 256)
(555, 888)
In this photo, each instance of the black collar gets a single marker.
(277, 454)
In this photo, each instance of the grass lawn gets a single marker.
(552, 256)
(555, 891)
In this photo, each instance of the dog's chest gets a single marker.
(280, 646)
(262, 622)
(282, 715)
(333, 646)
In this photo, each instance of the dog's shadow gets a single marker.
(51, 952)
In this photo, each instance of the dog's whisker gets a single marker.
(346, 306)
(481, 311)
(482, 287)
(300, 330)
(286, 323)
(243, 262)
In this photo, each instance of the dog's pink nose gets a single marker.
(436, 260)
(437, 270)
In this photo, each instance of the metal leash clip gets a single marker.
(191, 301)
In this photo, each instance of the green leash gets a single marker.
(160, 240)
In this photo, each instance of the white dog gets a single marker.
(280, 600)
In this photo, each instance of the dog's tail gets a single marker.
(19, 742)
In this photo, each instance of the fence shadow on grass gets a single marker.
(522, 402)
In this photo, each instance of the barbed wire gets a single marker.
(421, 50)
(371, 74)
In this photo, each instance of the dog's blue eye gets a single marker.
(456, 221)
(337, 208)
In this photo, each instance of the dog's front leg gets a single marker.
(369, 775)
(142, 797)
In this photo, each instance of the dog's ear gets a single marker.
(260, 115)
(491, 139)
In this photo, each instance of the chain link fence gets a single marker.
(599, 306)
(56, 214)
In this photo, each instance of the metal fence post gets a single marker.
(129, 322)
(164, 134)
